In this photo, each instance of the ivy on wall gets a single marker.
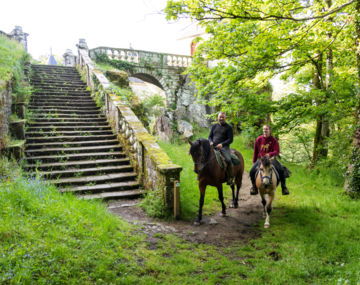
(119, 64)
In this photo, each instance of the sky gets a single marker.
(58, 25)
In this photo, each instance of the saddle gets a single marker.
(221, 160)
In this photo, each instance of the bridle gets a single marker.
(202, 164)
(266, 176)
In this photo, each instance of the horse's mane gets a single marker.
(265, 161)
(204, 143)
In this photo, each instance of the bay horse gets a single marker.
(210, 173)
(266, 182)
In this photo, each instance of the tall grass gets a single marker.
(50, 238)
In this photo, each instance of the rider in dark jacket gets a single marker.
(221, 136)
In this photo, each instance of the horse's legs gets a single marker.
(268, 208)
(263, 201)
(233, 203)
(221, 198)
(238, 182)
(201, 204)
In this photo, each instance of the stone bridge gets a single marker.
(162, 70)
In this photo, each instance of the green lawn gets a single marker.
(50, 238)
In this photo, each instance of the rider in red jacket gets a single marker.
(267, 145)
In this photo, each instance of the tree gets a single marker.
(253, 40)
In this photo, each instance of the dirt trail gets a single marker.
(238, 226)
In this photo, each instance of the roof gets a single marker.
(51, 60)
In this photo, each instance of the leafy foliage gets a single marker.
(249, 42)
(13, 58)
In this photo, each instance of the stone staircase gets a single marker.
(70, 143)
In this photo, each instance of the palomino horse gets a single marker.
(210, 173)
(266, 182)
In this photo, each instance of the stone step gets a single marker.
(70, 143)
(51, 121)
(94, 179)
(59, 107)
(56, 92)
(59, 115)
(75, 156)
(76, 111)
(74, 138)
(52, 67)
(37, 83)
(78, 164)
(114, 195)
(52, 104)
(59, 99)
(69, 150)
(66, 123)
(77, 172)
(32, 129)
(61, 133)
(54, 85)
(125, 186)
(59, 96)
(56, 77)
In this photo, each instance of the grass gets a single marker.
(51, 238)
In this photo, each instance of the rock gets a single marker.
(163, 128)
(118, 77)
(213, 222)
(185, 128)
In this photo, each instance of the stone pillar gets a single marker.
(20, 36)
(69, 58)
(82, 44)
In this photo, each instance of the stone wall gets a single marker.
(165, 71)
(5, 111)
(153, 166)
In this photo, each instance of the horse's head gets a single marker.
(265, 170)
(199, 151)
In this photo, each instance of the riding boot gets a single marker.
(284, 189)
(230, 175)
(253, 190)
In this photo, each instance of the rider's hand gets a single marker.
(219, 146)
(268, 155)
(211, 143)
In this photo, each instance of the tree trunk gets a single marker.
(322, 123)
(352, 181)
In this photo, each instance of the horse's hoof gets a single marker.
(223, 215)
(266, 226)
(231, 205)
(197, 223)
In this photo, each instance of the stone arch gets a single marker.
(153, 77)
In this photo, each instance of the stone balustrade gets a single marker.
(153, 166)
(144, 58)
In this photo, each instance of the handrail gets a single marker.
(143, 58)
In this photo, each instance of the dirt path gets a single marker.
(238, 226)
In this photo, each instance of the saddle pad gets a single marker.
(218, 158)
(235, 160)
